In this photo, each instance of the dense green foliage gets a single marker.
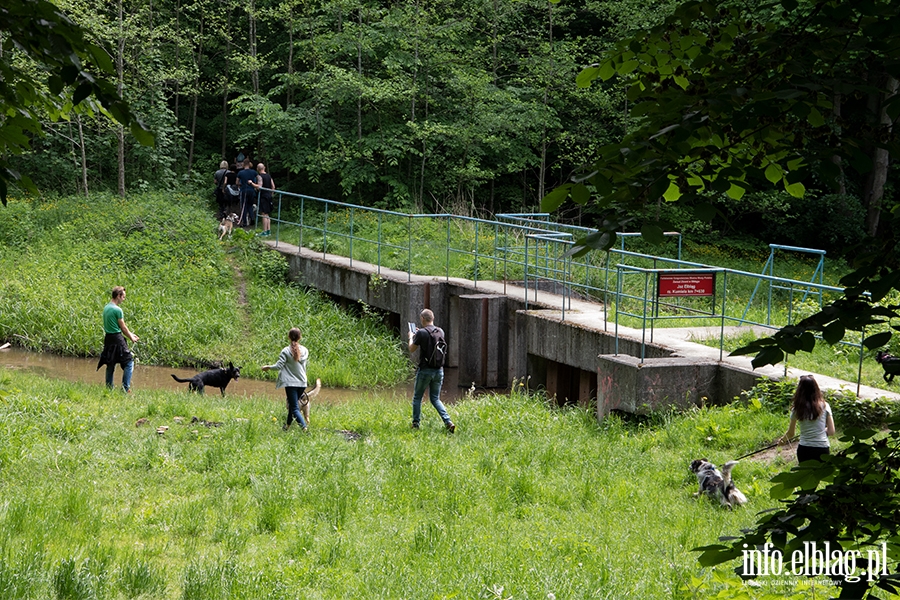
(451, 103)
(223, 302)
(848, 409)
(50, 71)
(734, 98)
(464, 106)
(523, 497)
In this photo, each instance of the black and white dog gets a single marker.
(890, 364)
(717, 484)
(219, 378)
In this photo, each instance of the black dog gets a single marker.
(219, 378)
(890, 364)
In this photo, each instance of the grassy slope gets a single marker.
(191, 299)
(524, 498)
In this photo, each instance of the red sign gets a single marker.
(686, 284)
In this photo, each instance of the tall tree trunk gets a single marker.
(424, 149)
(360, 71)
(120, 88)
(410, 174)
(542, 176)
(194, 100)
(289, 96)
(177, 62)
(84, 171)
(190, 160)
(254, 73)
(225, 76)
(836, 159)
(874, 188)
(225, 116)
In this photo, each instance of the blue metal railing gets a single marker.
(531, 249)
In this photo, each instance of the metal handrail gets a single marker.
(511, 243)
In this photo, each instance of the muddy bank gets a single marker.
(84, 370)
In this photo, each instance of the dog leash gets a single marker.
(769, 447)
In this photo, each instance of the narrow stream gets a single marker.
(84, 370)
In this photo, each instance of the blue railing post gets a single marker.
(644, 318)
(301, 221)
(475, 273)
(447, 260)
(325, 232)
(378, 249)
(525, 274)
(409, 227)
(724, 300)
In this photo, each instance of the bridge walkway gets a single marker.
(682, 342)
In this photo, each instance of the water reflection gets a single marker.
(84, 370)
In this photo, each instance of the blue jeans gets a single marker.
(431, 379)
(293, 402)
(127, 370)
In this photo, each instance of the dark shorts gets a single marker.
(805, 453)
(265, 205)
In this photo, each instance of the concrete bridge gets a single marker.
(494, 340)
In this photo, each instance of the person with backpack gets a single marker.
(432, 346)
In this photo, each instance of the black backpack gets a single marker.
(434, 358)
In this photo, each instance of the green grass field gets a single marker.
(524, 501)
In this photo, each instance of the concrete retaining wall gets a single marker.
(626, 384)
(494, 340)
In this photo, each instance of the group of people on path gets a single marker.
(246, 192)
(291, 364)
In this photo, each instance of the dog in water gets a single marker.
(226, 226)
(717, 484)
(219, 378)
(890, 364)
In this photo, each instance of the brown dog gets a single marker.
(226, 226)
(307, 396)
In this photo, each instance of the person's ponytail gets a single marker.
(294, 335)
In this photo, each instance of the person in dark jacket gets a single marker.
(265, 185)
(246, 179)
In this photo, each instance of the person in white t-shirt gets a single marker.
(812, 412)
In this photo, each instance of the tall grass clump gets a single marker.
(524, 501)
(192, 300)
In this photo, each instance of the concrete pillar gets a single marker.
(482, 340)
(625, 383)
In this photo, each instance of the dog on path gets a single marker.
(219, 378)
(890, 364)
(226, 226)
